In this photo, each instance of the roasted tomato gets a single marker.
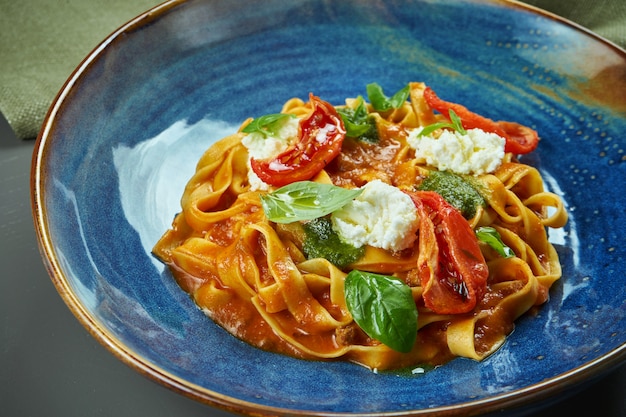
(321, 137)
(520, 139)
(452, 270)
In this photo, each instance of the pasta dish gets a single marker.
(386, 231)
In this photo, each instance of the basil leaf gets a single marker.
(383, 307)
(381, 102)
(323, 242)
(353, 130)
(431, 128)
(358, 123)
(355, 120)
(267, 125)
(401, 96)
(305, 200)
(455, 124)
(490, 236)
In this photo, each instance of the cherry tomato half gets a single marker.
(451, 267)
(520, 139)
(321, 137)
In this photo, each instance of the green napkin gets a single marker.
(43, 41)
(607, 18)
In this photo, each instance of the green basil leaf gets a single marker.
(267, 125)
(431, 128)
(455, 124)
(358, 122)
(354, 130)
(383, 307)
(400, 97)
(355, 124)
(490, 236)
(381, 102)
(305, 200)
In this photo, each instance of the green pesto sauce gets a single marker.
(321, 241)
(457, 190)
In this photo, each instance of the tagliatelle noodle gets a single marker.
(252, 277)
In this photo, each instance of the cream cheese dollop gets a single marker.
(476, 152)
(382, 216)
(266, 147)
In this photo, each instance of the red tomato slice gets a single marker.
(451, 267)
(520, 139)
(321, 137)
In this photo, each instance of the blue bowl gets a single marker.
(125, 132)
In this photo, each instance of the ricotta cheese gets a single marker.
(477, 152)
(381, 216)
(266, 147)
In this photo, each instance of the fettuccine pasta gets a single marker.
(254, 278)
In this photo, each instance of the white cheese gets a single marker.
(324, 132)
(266, 147)
(477, 152)
(256, 183)
(381, 216)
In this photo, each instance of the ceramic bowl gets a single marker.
(125, 132)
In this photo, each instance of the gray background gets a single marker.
(51, 366)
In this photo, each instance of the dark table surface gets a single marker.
(51, 366)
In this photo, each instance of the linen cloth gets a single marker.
(43, 41)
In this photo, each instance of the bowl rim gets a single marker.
(518, 398)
